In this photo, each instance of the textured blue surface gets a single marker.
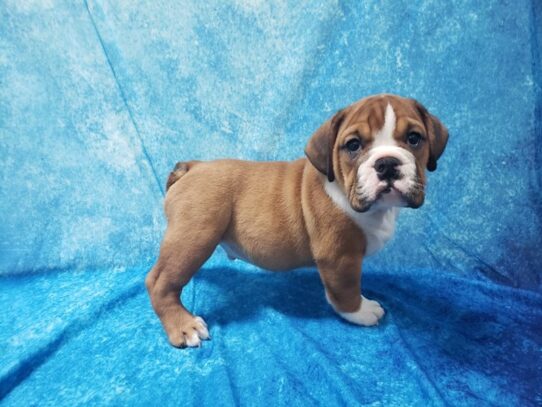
(98, 100)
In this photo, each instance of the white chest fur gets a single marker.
(377, 225)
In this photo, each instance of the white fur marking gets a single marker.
(193, 340)
(385, 135)
(200, 333)
(368, 314)
(378, 226)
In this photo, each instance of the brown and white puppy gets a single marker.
(331, 210)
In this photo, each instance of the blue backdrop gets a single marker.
(99, 99)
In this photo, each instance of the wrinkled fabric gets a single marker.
(100, 99)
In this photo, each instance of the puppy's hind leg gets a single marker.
(183, 251)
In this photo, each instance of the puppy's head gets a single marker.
(377, 150)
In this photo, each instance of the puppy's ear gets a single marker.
(437, 135)
(319, 149)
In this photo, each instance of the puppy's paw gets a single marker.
(369, 313)
(189, 333)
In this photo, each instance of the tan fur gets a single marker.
(277, 215)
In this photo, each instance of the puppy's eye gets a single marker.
(353, 145)
(413, 139)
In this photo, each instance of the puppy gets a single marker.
(328, 210)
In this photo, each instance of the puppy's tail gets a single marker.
(180, 169)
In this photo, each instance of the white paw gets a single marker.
(368, 314)
(198, 333)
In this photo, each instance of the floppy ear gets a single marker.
(319, 149)
(437, 135)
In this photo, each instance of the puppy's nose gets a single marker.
(386, 168)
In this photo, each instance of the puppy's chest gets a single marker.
(378, 227)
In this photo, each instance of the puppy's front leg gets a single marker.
(342, 281)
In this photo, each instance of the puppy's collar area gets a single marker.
(378, 224)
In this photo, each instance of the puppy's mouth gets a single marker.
(387, 191)
(388, 195)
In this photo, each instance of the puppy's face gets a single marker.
(377, 150)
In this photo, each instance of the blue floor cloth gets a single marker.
(99, 99)
(444, 341)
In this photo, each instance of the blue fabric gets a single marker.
(98, 100)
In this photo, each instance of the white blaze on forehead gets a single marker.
(384, 136)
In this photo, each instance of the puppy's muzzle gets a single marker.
(387, 168)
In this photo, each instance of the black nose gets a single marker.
(386, 168)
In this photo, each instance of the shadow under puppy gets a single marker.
(330, 209)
